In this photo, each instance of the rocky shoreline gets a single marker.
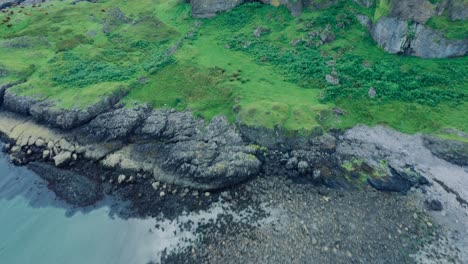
(169, 161)
(175, 148)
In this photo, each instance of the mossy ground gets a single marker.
(74, 54)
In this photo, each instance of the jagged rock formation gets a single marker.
(172, 146)
(404, 31)
(401, 37)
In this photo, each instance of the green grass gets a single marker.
(76, 54)
(450, 29)
(383, 8)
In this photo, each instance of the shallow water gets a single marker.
(36, 227)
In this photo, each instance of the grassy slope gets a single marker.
(268, 82)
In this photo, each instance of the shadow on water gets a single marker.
(20, 181)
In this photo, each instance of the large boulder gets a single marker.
(450, 150)
(116, 124)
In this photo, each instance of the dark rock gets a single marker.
(69, 186)
(398, 181)
(45, 111)
(116, 124)
(455, 152)
(17, 103)
(433, 205)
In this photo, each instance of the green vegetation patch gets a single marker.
(75, 54)
(450, 29)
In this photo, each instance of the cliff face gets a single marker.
(404, 31)
(400, 28)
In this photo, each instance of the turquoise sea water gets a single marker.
(37, 228)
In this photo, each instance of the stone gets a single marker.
(121, 178)
(62, 158)
(15, 148)
(155, 185)
(162, 194)
(259, 31)
(327, 36)
(50, 145)
(74, 156)
(65, 145)
(40, 142)
(292, 163)
(332, 79)
(372, 93)
(303, 167)
(28, 152)
(46, 154)
(433, 205)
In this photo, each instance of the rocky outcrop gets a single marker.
(404, 31)
(172, 146)
(449, 150)
(44, 111)
(209, 8)
(401, 37)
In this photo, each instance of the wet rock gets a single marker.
(46, 154)
(121, 178)
(39, 142)
(303, 167)
(433, 205)
(71, 187)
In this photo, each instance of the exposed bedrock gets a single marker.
(172, 146)
(177, 148)
(401, 37)
(44, 111)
